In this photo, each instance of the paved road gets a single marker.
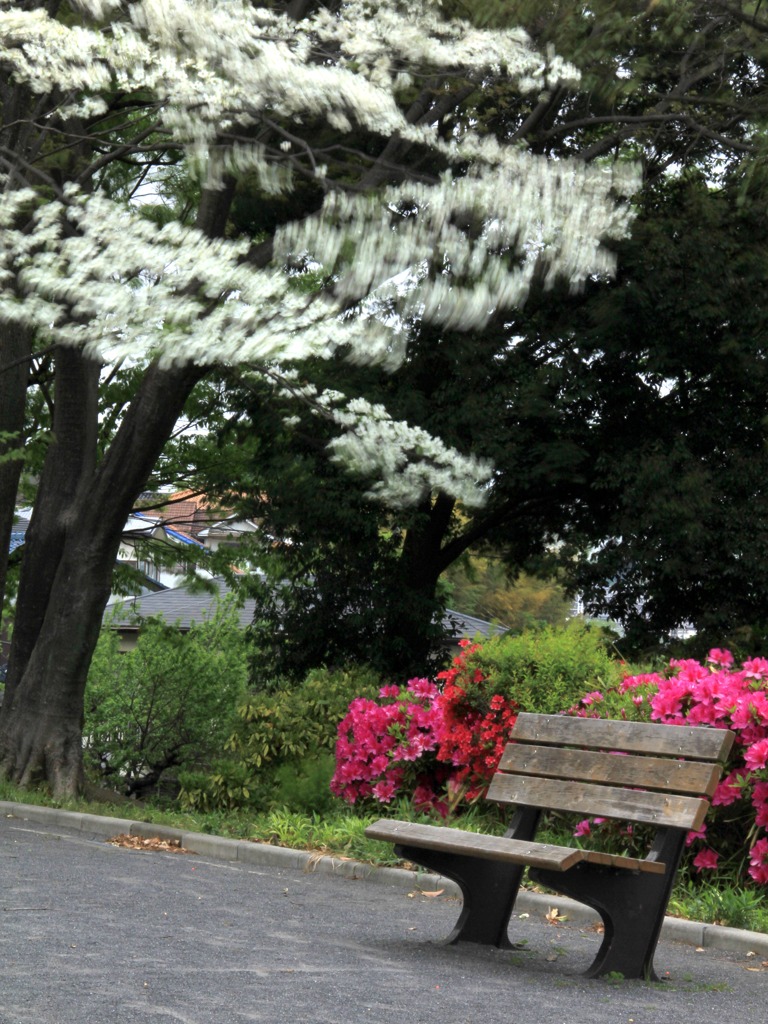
(91, 933)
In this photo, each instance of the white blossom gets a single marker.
(407, 462)
(224, 75)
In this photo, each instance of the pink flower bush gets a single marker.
(381, 746)
(437, 745)
(717, 694)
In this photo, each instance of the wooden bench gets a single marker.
(661, 776)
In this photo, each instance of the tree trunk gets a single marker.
(68, 465)
(42, 715)
(71, 551)
(15, 350)
(415, 633)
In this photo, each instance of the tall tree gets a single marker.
(678, 529)
(346, 111)
(545, 392)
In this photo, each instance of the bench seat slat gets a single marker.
(693, 741)
(659, 809)
(487, 847)
(692, 777)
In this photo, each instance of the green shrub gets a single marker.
(167, 704)
(305, 785)
(278, 754)
(547, 670)
(294, 721)
(226, 786)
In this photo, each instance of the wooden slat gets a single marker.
(658, 773)
(614, 860)
(660, 809)
(454, 840)
(694, 741)
(485, 847)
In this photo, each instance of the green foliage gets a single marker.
(168, 703)
(481, 586)
(294, 721)
(338, 834)
(305, 785)
(677, 529)
(279, 752)
(333, 589)
(226, 786)
(546, 670)
(734, 907)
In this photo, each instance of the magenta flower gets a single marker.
(720, 657)
(384, 790)
(756, 757)
(706, 860)
(422, 688)
(594, 697)
(692, 837)
(756, 668)
(758, 862)
(728, 790)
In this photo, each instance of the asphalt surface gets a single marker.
(93, 933)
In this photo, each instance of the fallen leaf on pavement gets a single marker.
(148, 843)
(554, 916)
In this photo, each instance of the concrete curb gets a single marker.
(693, 933)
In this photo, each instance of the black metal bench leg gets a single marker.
(631, 904)
(632, 909)
(489, 889)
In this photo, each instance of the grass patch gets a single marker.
(732, 906)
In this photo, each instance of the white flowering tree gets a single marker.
(345, 114)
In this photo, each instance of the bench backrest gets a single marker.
(662, 775)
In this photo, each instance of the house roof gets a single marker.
(184, 607)
(190, 511)
(230, 525)
(19, 528)
(178, 606)
(153, 523)
(17, 539)
(469, 626)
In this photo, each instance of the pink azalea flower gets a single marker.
(384, 790)
(756, 757)
(705, 860)
(422, 688)
(667, 703)
(720, 657)
(761, 815)
(692, 837)
(582, 829)
(592, 698)
(728, 790)
(756, 668)
(758, 862)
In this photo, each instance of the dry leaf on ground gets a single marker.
(554, 916)
(148, 843)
